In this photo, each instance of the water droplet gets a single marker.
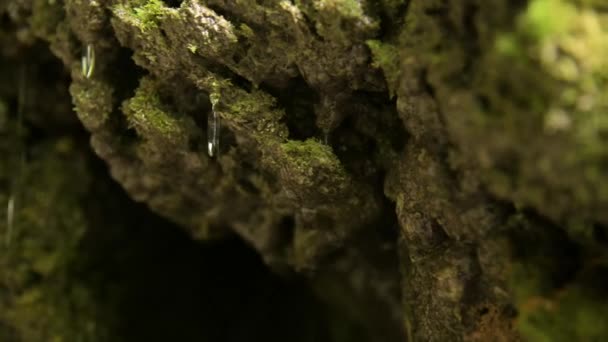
(88, 61)
(20, 150)
(10, 219)
(213, 133)
(326, 138)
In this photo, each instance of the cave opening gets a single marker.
(166, 286)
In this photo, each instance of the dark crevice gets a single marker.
(165, 286)
(42, 78)
(391, 23)
(373, 130)
(224, 72)
(298, 101)
(224, 13)
(378, 245)
(185, 98)
(5, 22)
(244, 178)
(600, 234)
(349, 145)
(242, 51)
(124, 76)
(473, 290)
(237, 79)
(485, 103)
(438, 233)
(173, 3)
(387, 225)
(312, 28)
(8, 333)
(436, 11)
(470, 38)
(548, 247)
(286, 233)
(246, 185)
(394, 129)
(426, 85)
(163, 33)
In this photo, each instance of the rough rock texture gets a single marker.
(434, 170)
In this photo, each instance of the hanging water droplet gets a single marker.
(326, 138)
(10, 219)
(16, 182)
(88, 61)
(213, 133)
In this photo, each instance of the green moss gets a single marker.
(313, 168)
(92, 102)
(255, 110)
(151, 118)
(548, 17)
(144, 14)
(246, 31)
(506, 44)
(386, 57)
(192, 48)
(303, 152)
(345, 8)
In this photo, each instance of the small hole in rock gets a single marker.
(173, 3)
(599, 234)
(298, 100)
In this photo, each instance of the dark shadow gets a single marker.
(157, 284)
